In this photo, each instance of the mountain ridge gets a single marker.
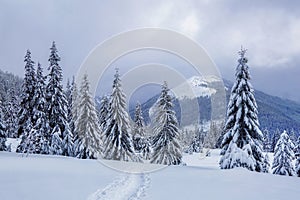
(273, 112)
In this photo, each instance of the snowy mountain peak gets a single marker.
(196, 86)
(202, 80)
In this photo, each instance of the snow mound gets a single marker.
(13, 143)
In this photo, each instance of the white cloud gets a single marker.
(190, 25)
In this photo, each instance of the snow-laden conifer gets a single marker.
(74, 110)
(166, 146)
(266, 141)
(56, 147)
(266, 164)
(118, 139)
(11, 119)
(138, 129)
(57, 104)
(89, 141)
(283, 156)
(26, 104)
(274, 139)
(39, 134)
(242, 142)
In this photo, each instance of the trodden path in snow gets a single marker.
(129, 187)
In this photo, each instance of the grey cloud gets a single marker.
(269, 29)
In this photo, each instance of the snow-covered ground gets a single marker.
(36, 177)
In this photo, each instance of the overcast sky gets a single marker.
(270, 30)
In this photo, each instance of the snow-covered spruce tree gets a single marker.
(266, 142)
(103, 112)
(212, 136)
(27, 144)
(11, 116)
(69, 96)
(266, 164)
(39, 136)
(283, 156)
(68, 140)
(118, 140)
(57, 104)
(198, 140)
(146, 151)
(275, 138)
(141, 142)
(242, 142)
(166, 147)
(138, 129)
(75, 112)
(89, 143)
(3, 146)
(26, 104)
(56, 147)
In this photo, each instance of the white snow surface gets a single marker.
(130, 186)
(35, 177)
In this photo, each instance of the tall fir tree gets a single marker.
(141, 142)
(87, 125)
(75, 113)
(118, 139)
(242, 142)
(283, 156)
(57, 107)
(68, 140)
(38, 140)
(166, 146)
(26, 105)
(3, 136)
